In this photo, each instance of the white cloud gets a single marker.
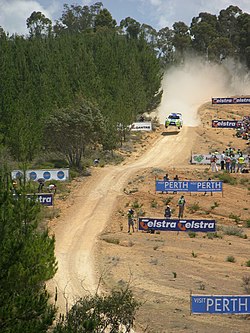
(14, 13)
(165, 12)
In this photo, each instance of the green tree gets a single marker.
(104, 19)
(113, 313)
(70, 130)
(27, 260)
(39, 25)
(181, 39)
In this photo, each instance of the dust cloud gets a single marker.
(195, 82)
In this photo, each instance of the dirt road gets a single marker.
(76, 232)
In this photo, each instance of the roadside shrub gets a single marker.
(246, 283)
(167, 200)
(194, 255)
(112, 240)
(194, 207)
(248, 223)
(227, 178)
(212, 235)
(154, 203)
(233, 231)
(230, 259)
(215, 205)
(248, 263)
(192, 234)
(234, 217)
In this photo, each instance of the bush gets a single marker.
(230, 259)
(246, 283)
(233, 231)
(227, 178)
(248, 263)
(248, 223)
(234, 217)
(194, 207)
(192, 234)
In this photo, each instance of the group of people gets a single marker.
(244, 131)
(167, 213)
(181, 205)
(231, 160)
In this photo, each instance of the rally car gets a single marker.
(174, 119)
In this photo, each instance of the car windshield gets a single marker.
(173, 116)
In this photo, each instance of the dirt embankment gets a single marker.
(92, 239)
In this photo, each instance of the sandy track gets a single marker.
(76, 232)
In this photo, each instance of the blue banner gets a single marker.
(45, 199)
(235, 100)
(226, 123)
(188, 186)
(220, 304)
(147, 224)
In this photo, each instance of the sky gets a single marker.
(157, 13)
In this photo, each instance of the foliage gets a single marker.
(230, 259)
(227, 178)
(70, 130)
(27, 260)
(98, 313)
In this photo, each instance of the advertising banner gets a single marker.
(226, 123)
(205, 158)
(231, 100)
(176, 225)
(188, 186)
(45, 199)
(46, 174)
(220, 304)
(141, 126)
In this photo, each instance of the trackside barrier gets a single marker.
(188, 186)
(220, 304)
(231, 100)
(147, 224)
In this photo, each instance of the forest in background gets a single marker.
(66, 88)
(104, 73)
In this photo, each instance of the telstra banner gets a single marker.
(226, 123)
(220, 304)
(45, 199)
(236, 100)
(146, 224)
(188, 186)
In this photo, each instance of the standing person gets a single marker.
(168, 212)
(176, 178)
(41, 182)
(233, 163)
(166, 179)
(181, 204)
(222, 160)
(240, 163)
(131, 220)
(213, 160)
(228, 163)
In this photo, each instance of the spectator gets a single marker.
(176, 178)
(240, 163)
(131, 220)
(222, 160)
(168, 212)
(213, 161)
(166, 179)
(233, 163)
(96, 161)
(181, 204)
(52, 188)
(41, 183)
(228, 163)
